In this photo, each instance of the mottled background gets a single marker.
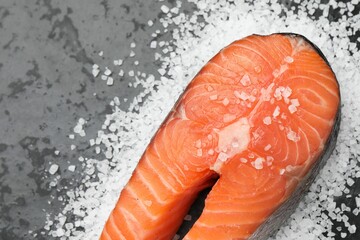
(47, 50)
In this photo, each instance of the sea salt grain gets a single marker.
(53, 169)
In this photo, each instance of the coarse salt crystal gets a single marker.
(267, 120)
(225, 101)
(211, 152)
(162, 71)
(110, 81)
(243, 160)
(150, 23)
(293, 136)
(245, 80)
(213, 97)
(288, 59)
(104, 77)
(164, 9)
(295, 102)
(53, 169)
(101, 53)
(267, 147)
(292, 108)
(222, 157)
(199, 152)
(153, 44)
(258, 163)
(95, 72)
(276, 112)
(107, 72)
(71, 168)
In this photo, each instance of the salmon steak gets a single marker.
(256, 124)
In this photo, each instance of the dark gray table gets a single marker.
(47, 50)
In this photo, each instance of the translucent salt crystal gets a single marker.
(198, 143)
(222, 157)
(293, 136)
(245, 80)
(107, 72)
(110, 81)
(213, 97)
(282, 171)
(257, 69)
(289, 59)
(211, 152)
(258, 163)
(225, 101)
(57, 152)
(209, 88)
(95, 72)
(292, 108)
(162, 71)
(199, 152)
(267, 147)
(350, 182)
(357, 200)
(71, 168)
(104, 77)
(352, 229)
(276, 112)
(101, 53)
(164, 9)
(243, 160)
(295, 102)
(53, 169)
(153, 44)
(267, 120)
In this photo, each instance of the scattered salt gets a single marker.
(71, 168)
(53, 169)
(267, 120)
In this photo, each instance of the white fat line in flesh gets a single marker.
(141, 204)
(253, 50)
(166, 183)
(298, 45)
(227, 70)
(335, 94)
(325, 120)
(129, 216)
(312, 128)
(150, 187)
(112, 222)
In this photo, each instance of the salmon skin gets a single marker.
(256, 123)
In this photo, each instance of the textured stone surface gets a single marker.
(47, 50)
